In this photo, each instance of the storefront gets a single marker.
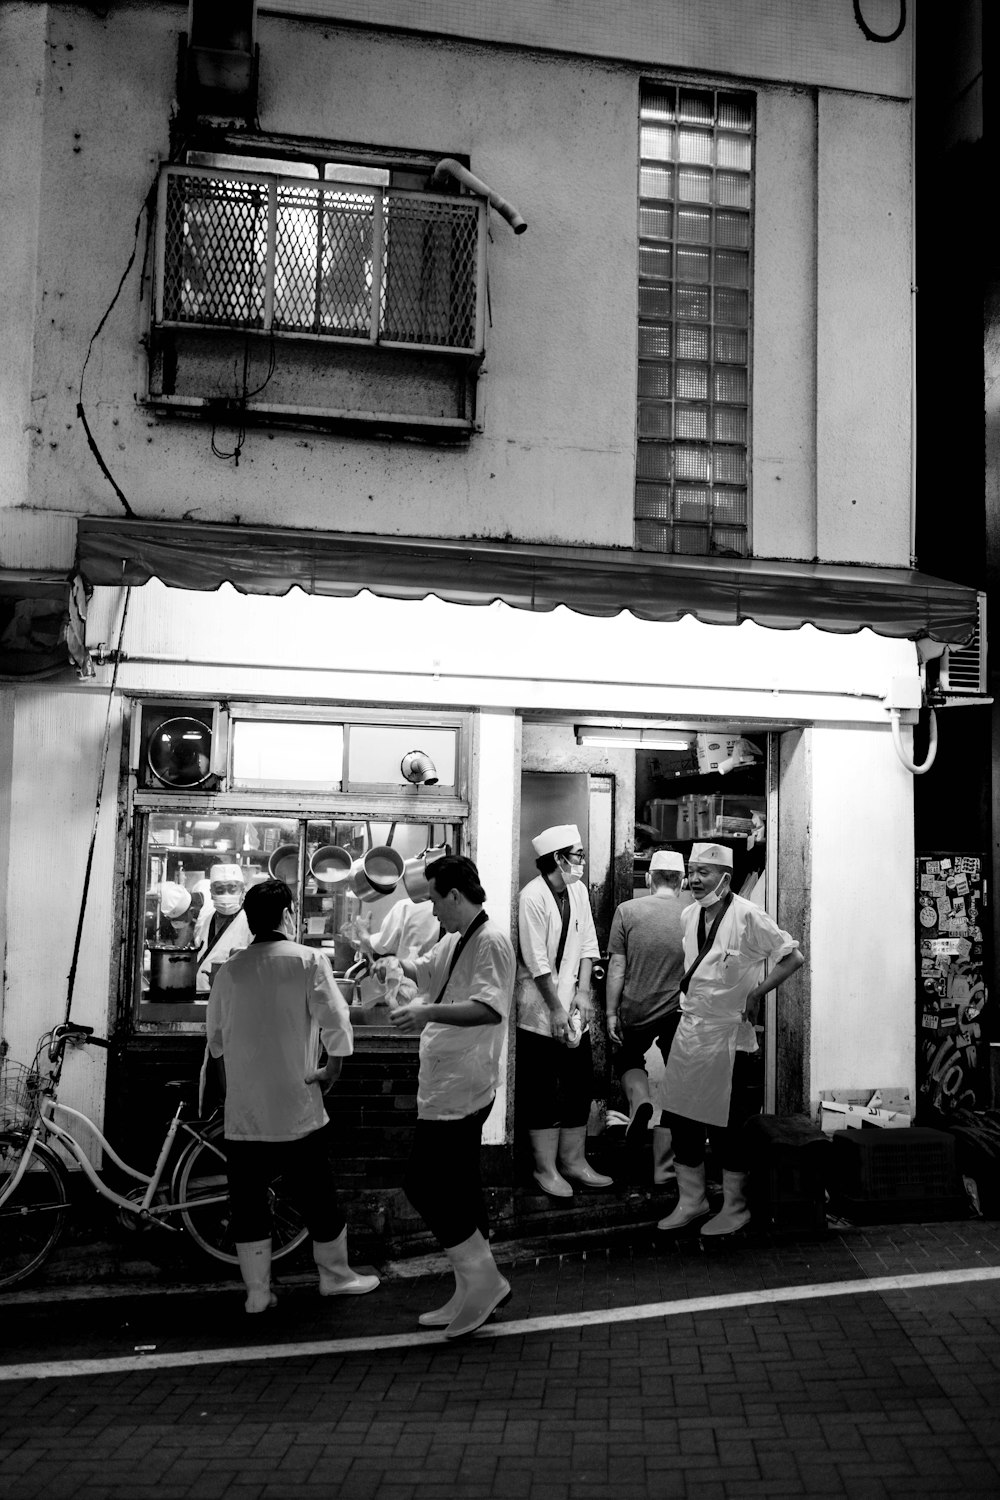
(275, 734)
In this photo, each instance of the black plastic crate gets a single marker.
(913, 1165)
(789, 1162)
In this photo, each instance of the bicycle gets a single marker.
(35, 1181)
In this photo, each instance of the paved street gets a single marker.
(623, 1367)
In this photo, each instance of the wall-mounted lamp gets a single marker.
(629, 739)
(418, 768)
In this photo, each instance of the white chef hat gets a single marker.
(667, 859)
(711, 854)
(562, 836)
(174, 900)
(225, 872)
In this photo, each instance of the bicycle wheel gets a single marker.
(32, 1218)
(201, 1173)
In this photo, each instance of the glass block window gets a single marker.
(695, 227)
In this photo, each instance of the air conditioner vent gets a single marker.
(963, 668)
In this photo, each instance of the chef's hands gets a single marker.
(410, 1019)
(752, 1008)
(583, 1004)
(329, 1073)
(559, 1024)
(614, 1028)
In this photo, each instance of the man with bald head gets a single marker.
(711, 1080)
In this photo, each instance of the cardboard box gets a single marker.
(853, 1109)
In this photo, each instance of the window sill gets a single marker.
(334, 386)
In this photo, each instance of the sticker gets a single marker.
(928, 916)
(941, 947)
(930, 1021)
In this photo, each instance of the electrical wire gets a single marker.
(875, 36)
(71, 978)
(80, 411)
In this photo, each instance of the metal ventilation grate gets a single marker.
(330, 259)
(963, 668)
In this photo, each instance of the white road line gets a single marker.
(556, 1323)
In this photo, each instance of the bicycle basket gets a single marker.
(18, 1095)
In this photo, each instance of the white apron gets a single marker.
(698, 1080)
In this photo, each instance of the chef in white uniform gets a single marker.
(221, 928)
(557, 944)
(711, 1083)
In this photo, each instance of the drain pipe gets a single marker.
(449, 167)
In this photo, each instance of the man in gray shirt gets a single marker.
(643, 999)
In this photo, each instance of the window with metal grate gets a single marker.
(336, 259)
(695, 226)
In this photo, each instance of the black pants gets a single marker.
(555, 1083)
(728, 1142)
(307, 1181)
(443, 1177)
(637, 1040)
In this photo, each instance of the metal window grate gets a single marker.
(331, 259)
(695, 236)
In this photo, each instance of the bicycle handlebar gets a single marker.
(72, 1031)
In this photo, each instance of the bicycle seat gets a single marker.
(181, 1083)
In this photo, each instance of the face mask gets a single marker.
(571, 873)
(713, 898)
(227, 906)
(287, 924)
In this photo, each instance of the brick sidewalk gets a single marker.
(880, 1395)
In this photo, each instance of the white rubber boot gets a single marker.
(544, 1144)
(442, 1316)
(692, 1203)
(573, 1163)
(663, 1155)
(255, 1267)
(482, 1287)
(336, 1277)
(735, 1214)
(640, 1106)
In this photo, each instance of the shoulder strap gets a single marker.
(706, 946)
(562, 934)
(473, 927)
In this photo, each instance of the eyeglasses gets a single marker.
(226, 888)
(577, 856)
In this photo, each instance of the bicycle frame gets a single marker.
(48, 1127)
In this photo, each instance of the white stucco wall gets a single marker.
(556, 134)
(22, 101)
(811, 40)
(55, 758)
(862, 936)
(495, 772)
(862, 327)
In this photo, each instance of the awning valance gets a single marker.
(598, 581)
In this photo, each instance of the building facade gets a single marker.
(341, 461)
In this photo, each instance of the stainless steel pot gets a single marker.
(415, 873)
(172, 972)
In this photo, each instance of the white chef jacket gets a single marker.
(270, 1007)
(460, 1065)
(539, 925)
(236, 936)
(699, 1073)
(410, 929)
